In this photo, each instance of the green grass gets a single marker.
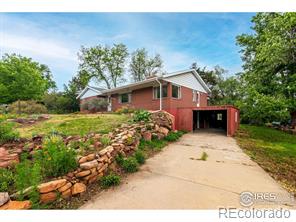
(75, 124)
(154, 144)
(273, 150)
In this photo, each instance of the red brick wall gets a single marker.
(143, 98)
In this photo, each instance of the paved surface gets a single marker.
(175, 179)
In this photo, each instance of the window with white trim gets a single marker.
(194, 95)
(176, 91)
(156, 91)
(125, 98)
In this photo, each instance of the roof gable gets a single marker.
(89, 91)
(189, 79)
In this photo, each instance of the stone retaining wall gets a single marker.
(124, 140)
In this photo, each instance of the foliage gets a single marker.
(27, 107)
(154, 144)
(7, 132)
(273, 150)
(204, 156)
(75, 124)
(140, 156)
(110, 180)
(55, 158)
(125, 110)
(119, 159)
(173, 136)
(104, 64)
(95, 104)
(21, 78)
(3, 108)
(6, 180)
(269, 57)
(105, 140)
(141, 115)
(60, 102)
(142, 66)
(130, 165)
(257, 108)
(28, 174)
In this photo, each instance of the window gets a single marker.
(156, 92)
(219, 116)
(176, 91)
(125, 98)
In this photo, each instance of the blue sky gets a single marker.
(180, 38)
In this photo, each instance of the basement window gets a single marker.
(219, 116)
(176, 91)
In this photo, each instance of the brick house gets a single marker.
(183, 94)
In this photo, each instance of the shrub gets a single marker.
(105, 140)
(27, 107)
(172, 136)
(6, 180)
(55, 158)
(7, 133)
(95, 104)
(28, 174)
(130, 165)
(110, 180)
(141, 115)
(140, 156)
(119, 159)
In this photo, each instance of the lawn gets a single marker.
(273, 150)
(75, 124)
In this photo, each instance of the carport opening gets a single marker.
(210, 119)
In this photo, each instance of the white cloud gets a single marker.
(36, 46)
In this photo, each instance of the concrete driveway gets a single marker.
(175, 179)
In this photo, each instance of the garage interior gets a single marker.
(210, 119)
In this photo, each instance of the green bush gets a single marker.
(6, 180)
(7, 133)
(95, 105)
(28, 174)
(130, 165)
(55, 158)
(27, 107)
(141, 115)
(110, 180)
(119, 159)
(140, 156)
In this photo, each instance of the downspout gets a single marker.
(160, 94)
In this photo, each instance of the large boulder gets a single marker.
(163, 118)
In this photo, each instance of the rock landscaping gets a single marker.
(93, 163)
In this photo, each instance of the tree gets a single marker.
(269, 56)
(142, 66)
(21, 78)
(104, 64)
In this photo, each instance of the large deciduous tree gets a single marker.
(104, 64)
(269, 55)
(21, 78)
(143, 66)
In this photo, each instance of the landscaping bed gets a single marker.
(273, 150)
(62, 167)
